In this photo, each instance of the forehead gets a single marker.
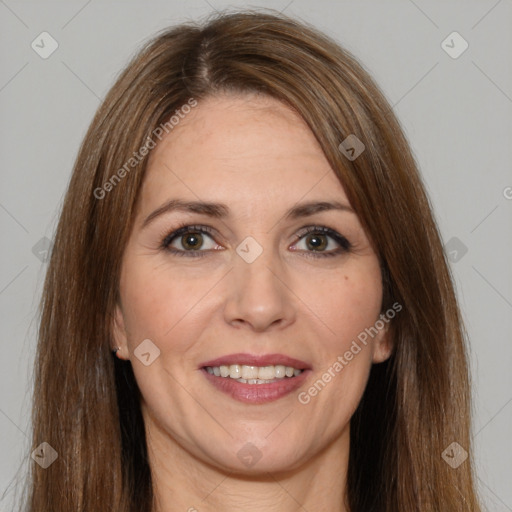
(240, 149)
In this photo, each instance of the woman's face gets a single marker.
(268, 277)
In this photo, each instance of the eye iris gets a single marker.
(316, 242)
(192, 240)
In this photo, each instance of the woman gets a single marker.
(246, 230)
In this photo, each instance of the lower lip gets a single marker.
(257, 393)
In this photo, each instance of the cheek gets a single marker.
(348, 304)
(156, 301)
(348, 307)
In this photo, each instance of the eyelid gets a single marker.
(183, 229)
(188, 228)
(341, 240)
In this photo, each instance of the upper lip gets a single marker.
(257, 360)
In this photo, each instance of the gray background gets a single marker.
(455, 112)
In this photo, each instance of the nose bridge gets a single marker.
(259, 272)
(257, 294)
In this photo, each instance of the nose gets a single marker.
(258, 296)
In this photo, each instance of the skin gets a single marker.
(260, 159)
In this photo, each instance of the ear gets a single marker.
(382, 345)
(119, 337)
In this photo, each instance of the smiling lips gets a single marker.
(255, 360)
(256, 379)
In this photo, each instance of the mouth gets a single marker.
(256, 379)
(248, 374)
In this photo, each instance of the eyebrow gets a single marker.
(220, 210)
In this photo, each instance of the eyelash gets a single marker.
(345, 245)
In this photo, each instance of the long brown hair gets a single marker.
(86, 402)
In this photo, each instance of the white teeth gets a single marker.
(266, 372)
(249, 372)
(253, 374)
(235, 372)
(280, 371)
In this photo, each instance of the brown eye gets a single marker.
(192, 241)
(316, 242)
(320, 241)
